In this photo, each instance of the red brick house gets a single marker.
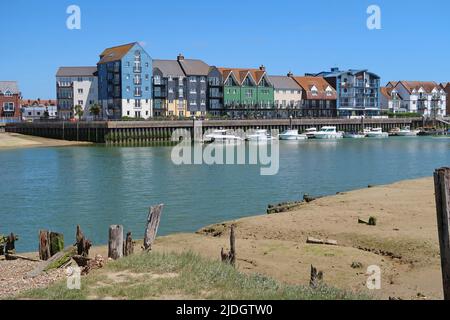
(10, 98)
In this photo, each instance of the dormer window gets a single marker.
(314, 91)
(8, 93)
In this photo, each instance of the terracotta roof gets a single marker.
(392, 83)
(307, 83)
(76, 71)
(31, 102)
(428, 86)
(115, 53)
(240, 74)
(387, 92)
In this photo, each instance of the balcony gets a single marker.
(137, 69)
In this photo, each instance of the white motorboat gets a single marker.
(328, 133)
(377, 133)
(407, 132)
(310, 132)
(259, 135)
(292, 135)
(354, 135)
(222, 136)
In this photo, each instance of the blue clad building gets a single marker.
(358, 92)
(125, 82)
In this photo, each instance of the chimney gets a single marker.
(290, 74)
(262, 68)
(180, 57)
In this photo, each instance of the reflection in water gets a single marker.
(98, 186)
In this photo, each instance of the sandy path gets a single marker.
(13, 141)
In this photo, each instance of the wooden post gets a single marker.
(83, 244)
(442, 191)
(44, 245)
(10, 247)
(316, 278)
(115, 244)
(128, 247)
(56, 243)
(153, 220)
(230, 257)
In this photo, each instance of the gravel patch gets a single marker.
(13, 282)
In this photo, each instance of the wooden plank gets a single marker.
(57, 261)
(153, 220)
(115, 243)
(442, 192)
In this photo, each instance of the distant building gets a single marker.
(358, 91)
(318, 97)
(10, 97)
(39, 109)
(391, 101)
(287, 96)
(196, 72)
(76, 86)
(125, 82)
(424, 97)
(446, 87)
(169, 84)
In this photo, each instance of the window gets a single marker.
(147, 77)
(137, 79)
(8, 106)
(137, 91)
(128, 89)
(147, 89)
(80, 79)
(80, 91)
(137, 103)
(146, 64)
(192, 79)
(128, 113)
(202, 79)
(80, 102)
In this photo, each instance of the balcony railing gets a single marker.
(137, 69)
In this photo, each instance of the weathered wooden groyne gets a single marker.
(143, 132)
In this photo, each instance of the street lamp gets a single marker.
(290, 122)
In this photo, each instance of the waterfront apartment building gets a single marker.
(76, 86)
(195, 86)
(287, 96)
(446, 87)
(125, 82)
(426, 98)
(169, 83)
(39, 109)
(358, 91)
(247, 93)
(318, 97)
(10, 97)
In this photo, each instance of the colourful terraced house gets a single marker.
(246, 92)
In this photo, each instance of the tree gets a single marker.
(78, 111)
(95, 110)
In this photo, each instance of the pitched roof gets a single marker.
(387, 92)
(193, 67)
(169, 68)
(116, 53)
(241, 74)
(307, 83)
(284, 82)
(76, 71)
(11, 86)
(428, 86)
(445, 85)
(40, 102)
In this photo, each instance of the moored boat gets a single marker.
(377, 133)
(310, 132)
(292, 135)
(354, 135)
(259, 135)
(328, 133)
(407, 132)
(222, 136)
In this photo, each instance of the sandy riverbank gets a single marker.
(16, 141)
(404, 243)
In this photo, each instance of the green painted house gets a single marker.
(246, 92)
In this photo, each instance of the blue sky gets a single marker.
(302, 36)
